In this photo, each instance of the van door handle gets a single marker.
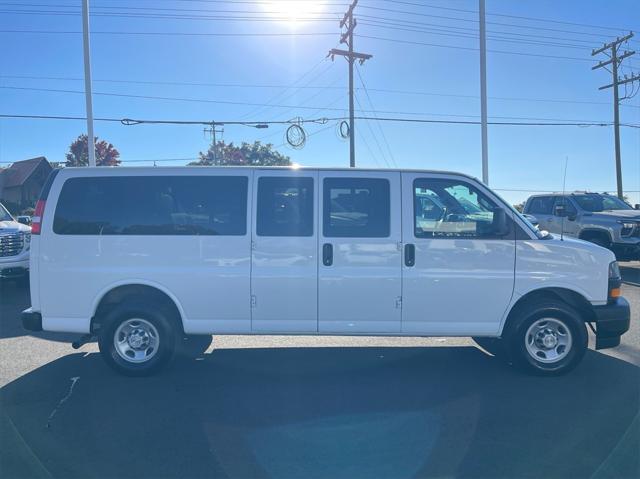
(409, 254)
(327, 254)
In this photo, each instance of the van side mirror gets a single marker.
(500, 222)
(636, 207)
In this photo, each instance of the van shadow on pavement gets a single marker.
(324, 413)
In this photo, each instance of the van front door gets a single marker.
(458, 265)
(360, 287)
(284, 261)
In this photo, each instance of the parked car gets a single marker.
(15, 242)
(596, 217)
(24, 219)
(141, 257)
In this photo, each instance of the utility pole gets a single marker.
(87, 82)
(351, 56)
(615, 58)
(214, 142)
(483, 93)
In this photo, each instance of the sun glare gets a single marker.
(293, 12)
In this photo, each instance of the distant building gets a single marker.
(20, 184)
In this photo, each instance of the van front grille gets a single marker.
(11, 244)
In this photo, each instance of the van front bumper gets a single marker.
(31, 320)
(612, 321)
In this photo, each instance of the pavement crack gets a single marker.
(74, 380)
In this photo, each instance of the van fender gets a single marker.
(548, 287)
(136, 281)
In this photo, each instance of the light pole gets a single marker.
(87, 82)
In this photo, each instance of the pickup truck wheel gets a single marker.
(547, 338)
(494, 346)
(137, 340)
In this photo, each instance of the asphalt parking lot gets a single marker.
(324, 407)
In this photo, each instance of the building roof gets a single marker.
(20, 171)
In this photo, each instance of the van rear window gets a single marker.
(153, 205)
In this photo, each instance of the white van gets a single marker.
(142, 257)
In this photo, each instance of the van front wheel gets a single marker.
(136, 340)
(548, 338)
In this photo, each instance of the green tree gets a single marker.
(78, 155)
(247, 154)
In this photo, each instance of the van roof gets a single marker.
(138, 169)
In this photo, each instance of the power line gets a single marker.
(160, 16)
(186, 34)
(282, 96)
(557, 57)
(308, 86)
(384, 137)
(538, 19)
(529, 27)
(321, 120)
(375, 138)
(475, 36)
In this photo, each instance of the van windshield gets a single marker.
(596, 203)
(4, 214)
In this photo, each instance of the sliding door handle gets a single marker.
(327, 254)
(409, 255)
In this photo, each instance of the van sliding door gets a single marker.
(284, 260)
(359, 288)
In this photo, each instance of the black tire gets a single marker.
(531, 326)
(138, 317)
(494, 346)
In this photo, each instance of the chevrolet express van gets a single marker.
(141, 258)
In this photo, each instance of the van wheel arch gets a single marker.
(567, 296)
(138, 294)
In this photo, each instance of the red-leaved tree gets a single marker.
(106, 153)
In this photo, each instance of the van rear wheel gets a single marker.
(136, 340)
(548, 338)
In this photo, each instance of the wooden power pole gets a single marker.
(347, 37)
(615, 58)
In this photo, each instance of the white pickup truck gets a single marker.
(15, 242)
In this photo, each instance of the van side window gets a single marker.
(451, 209)
(356, 208)
(285, 206)
(153, 205)
(541, 205)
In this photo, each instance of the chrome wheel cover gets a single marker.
(548, 340)
(136, 340)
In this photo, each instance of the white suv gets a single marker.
(15, 242)
(142, 257)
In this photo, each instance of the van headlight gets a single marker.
(615, 281)
(614, 270)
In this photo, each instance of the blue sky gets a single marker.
(426, 66)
